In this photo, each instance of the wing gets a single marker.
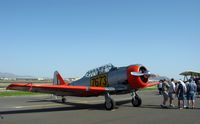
(62, 90)
(190, 73)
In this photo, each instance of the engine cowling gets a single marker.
(137, 82)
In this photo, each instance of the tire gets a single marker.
(109, 104)
(137, 101)
(63, 100)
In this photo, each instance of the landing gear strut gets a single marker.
(54, 97)
(109, 102)
(136, 100)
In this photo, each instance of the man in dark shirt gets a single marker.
(180, 92)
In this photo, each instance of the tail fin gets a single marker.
(58, 80)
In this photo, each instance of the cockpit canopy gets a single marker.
(100, 70)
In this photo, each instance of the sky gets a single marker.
(38, 37)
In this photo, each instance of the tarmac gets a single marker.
(43, 109)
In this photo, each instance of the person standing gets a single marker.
(191, 93)
(160, 87)
(171, 92)
(165, 88)
(180, 92)
(185, 93)
(187, 101)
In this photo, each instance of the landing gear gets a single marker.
(57, 98)
(63, 99)
(136, 100)
(54, 97)
(109, 102)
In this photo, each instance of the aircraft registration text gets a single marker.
(99, 80)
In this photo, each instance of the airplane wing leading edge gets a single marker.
(62, 90)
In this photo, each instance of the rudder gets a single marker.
(58, 80)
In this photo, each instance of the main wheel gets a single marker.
(109, 104)
(137, 101)
(63, 100)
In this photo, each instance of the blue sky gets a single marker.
(73, 36)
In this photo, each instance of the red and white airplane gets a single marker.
(104, 80)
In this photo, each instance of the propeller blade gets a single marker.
(137, 74)
(147, 74)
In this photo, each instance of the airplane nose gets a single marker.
(138, 76)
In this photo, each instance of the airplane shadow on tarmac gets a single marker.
(73, 106)
(70, 106)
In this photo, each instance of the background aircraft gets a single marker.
(192, 74)
(105, 80)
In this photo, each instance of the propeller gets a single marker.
(146, 74)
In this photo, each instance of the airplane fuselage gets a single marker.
(116, 78)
